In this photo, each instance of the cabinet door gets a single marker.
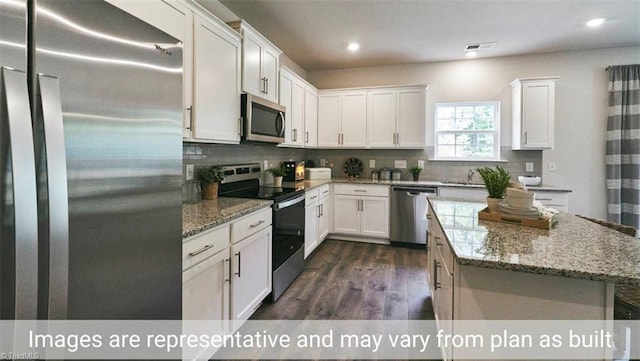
(411, 118)
(311, 118)
(323, 220)
(270, 74)
(538, 114)
(205, 289)
(375, 217)
(382, 118)
(297, 114)
(354, 119)
(251, 59)
(216, 105)
(205, 296)
(312, 212)
(346, 214)
(328, 120)
(286, 86)
(251, 279)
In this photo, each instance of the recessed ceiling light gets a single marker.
(471, 54)
(593, 23)
(353, 47)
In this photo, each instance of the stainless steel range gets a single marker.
(242, 181)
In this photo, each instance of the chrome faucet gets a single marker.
(470, 175)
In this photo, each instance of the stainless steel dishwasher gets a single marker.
(409, 213)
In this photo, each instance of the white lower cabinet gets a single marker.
(361, 210)
(224, 281)
(317, 215)
(251, 267)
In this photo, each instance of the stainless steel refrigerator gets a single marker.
(91, 158)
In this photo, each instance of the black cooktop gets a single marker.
(252, 189)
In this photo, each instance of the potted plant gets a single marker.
(210, 177)
(415, 171)
(496, 181)
(278, 173)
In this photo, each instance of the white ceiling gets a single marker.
(315, 33)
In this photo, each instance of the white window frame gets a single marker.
(496, 131)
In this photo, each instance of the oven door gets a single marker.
(288, 229)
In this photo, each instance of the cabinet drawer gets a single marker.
(361, 190)
(199, 247)
(311, 196)
(250, 224)
(324, 191)
(558, 200)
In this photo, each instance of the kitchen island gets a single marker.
(484, 270)
(491, 270)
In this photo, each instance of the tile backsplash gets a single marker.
(212, 154)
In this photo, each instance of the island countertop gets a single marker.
(574, 247)
(208, 214)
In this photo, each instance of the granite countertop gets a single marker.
(436, 183)
(208, 214)
(574, 247)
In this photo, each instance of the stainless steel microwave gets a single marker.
(263, 121)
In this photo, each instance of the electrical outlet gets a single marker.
(552, 167)
(400, 164)
(421, 163)
(265, 164)
(372, 163)
(189, 172)
(529, 166)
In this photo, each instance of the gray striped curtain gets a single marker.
(623, 145)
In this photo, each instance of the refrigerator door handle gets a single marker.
(50, 107)
(14, 100)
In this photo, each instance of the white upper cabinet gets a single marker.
(260, 63)
(533, 113)
(216, 84)
(392, 117)
(342, 119)
(300, 99)
(396, 118)
(311, 118)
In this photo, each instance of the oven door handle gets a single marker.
(289, 203)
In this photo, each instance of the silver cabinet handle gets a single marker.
(25, 201)
(256, 224)
(436, 284)
(263, 80)
(360, 190)
(52, 138)
(306, 137)
(190, 110)
(525, 138)
(438, 244)
(322, 210)
(429, 216)
(228, 260)
(314, 197)
(397, 138)
(338, 138)
(203, 249)
(295, 135)
(266, 87)
(394, 138)
(239, 260)
(318, 215)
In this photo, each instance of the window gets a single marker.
(467, 131)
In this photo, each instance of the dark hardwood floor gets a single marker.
(356, 281)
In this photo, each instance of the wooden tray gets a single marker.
(513, 219)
